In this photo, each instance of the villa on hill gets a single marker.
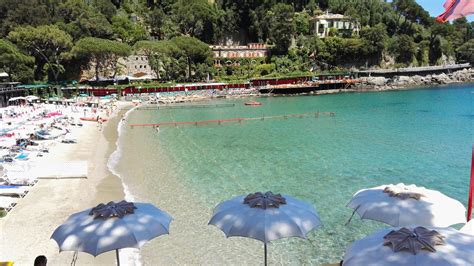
(252, 50)
(322, 25)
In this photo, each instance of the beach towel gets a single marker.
(456, 9)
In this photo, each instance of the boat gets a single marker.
(93, 119)
(253, 103)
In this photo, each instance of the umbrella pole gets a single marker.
(118, 257)
(265, 250)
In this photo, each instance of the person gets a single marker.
(41, 260)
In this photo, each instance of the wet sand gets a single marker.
(25, 232)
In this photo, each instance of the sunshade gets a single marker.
(112, 226)
(401, 205)
(265, 217)
(468, 228)
(412, 247)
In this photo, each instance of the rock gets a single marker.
(441, 78)
(402, 81)
(377, 81)
(418, 80)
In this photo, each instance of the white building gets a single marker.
(321, 25)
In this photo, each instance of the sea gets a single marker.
(419, 136)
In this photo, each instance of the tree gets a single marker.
(103, 54)
(48, 44)
(195, 18)
(14, 62)
(376, 40)
(81, 20)
(465, 53)
(301, 23)
(282, 28)
(404, 49)
(128, 31)
(194, 52)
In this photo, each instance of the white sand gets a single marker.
(25, 232)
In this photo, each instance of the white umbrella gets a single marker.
(31, 98)
(265, 217)
(401, 205)
(468, 228)
(16, 99)
(412, 247)
(112, 227)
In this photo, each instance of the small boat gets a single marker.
(253, 103)
(94, 119)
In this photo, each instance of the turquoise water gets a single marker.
(417, 136)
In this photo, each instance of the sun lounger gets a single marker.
(19, 178)
(10, 190)
(7, 203)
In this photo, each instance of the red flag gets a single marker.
(456, 9)
(471, 190)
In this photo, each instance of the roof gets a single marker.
(330, 16)
(3, 75)
(35, 86)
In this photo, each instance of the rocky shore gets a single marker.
(401, 82)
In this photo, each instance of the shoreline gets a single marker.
(50, 202)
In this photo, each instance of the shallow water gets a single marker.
(417, 136)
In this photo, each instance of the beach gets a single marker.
(26, 230)
(372, 139)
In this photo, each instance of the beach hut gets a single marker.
(265, 217)
(112, 226)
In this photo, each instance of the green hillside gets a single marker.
(52, 40)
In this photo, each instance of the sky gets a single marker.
(435, 7)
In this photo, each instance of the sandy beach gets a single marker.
(51, 201)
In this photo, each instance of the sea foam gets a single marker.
(127, 256)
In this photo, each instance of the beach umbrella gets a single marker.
(31, 98)
(401, 205)
(16, 99)
(265, 217)
(410, 246)
(112, 226)
(468, 228)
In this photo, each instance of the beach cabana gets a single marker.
(402, 205)
(112, 226)
(265, 217)
(412, 247)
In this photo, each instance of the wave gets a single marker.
(127, 256)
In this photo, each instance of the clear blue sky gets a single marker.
(435, 7)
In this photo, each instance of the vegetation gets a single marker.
(53, 40)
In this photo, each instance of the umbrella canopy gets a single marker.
(468, 228)
(112, 227)
(402, 205)
(31, 98)
(16, 99)
(412, 247)
(265, 217)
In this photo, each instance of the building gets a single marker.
(135, 66)
(323, 24)
(252, 50)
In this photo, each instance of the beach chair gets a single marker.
(7, 203)
(19, 178)
(9, 190)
